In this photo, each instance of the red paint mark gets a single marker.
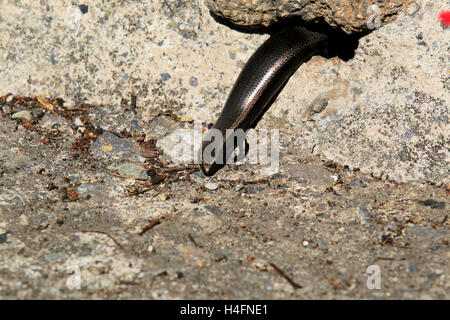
(444, 16)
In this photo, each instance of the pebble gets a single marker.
(186, 118)
(130, 169)
(110, 146)
(78, 122)
(211, 186)
(261, 266)
(3, 237)
(24, 115)
(195, 177)
(54, 256)
(298, 211)
(193, 81)
(214, 210)
(251, 189)
(378, 294)
(88, 189)
(56, 124)
(433, 204)
(357, 183)
(165, 76)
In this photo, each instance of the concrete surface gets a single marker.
(362, 182)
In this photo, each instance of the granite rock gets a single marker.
(350, 16)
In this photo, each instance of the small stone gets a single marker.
(261, 266)
(54, 256)
(78, 122)
(3, 237)
(298, 211)
(90, 189)
(357, 183)
(378, 294)
(130, 169)
(305, 243)
(214, 210)
(23, 115)
(433, 204)
(165, 76)
(195, 177)
(175, 145)
(193, 81)
(251, 189)
(312, 174)
(164, 197)
(186, 118)
(110, 146)
(9, 98)
(83, 8)
(211, 186)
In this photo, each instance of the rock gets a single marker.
(23, 115)
(349, 16)
(357, 183)
(52, 257)
(298, 211)
(129, 169)
(179, 146)
(381, 117)
(110, 146)
(211, 186)
(56, 124)
(214, 210)
(160, 127)
(77, 122)
(432, 203)
(3, 237)
(90, 189)
(197, 177)
(314, 174)
(186, 118)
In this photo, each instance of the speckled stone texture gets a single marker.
(350, 16)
